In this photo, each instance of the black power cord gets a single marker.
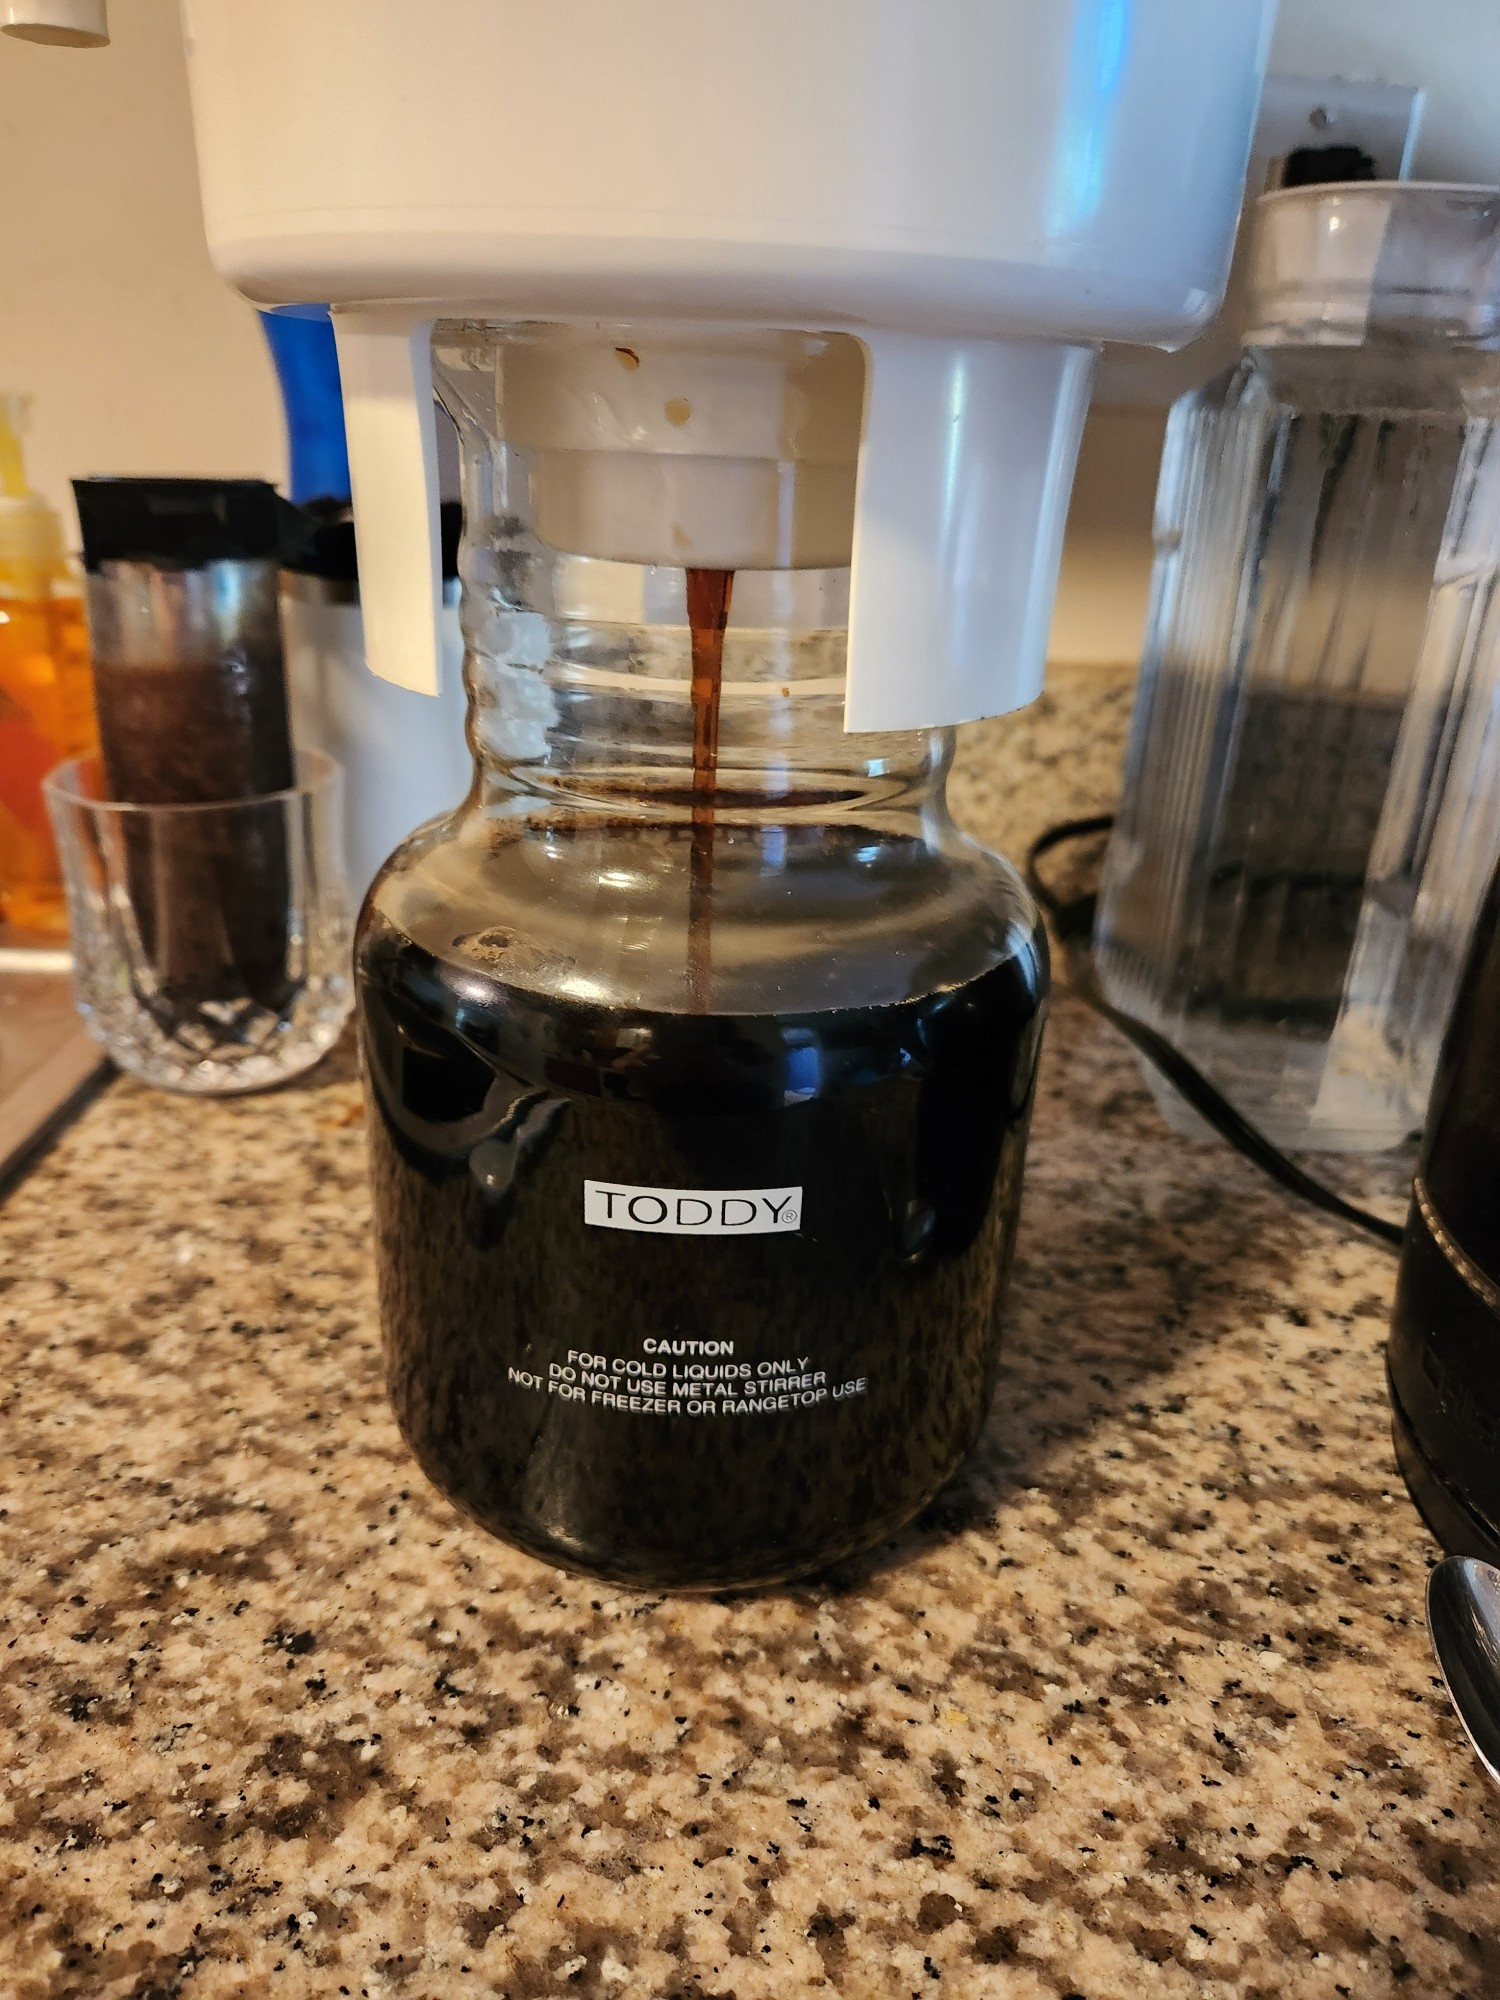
(1072, 920)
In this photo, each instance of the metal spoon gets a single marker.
(1463, 1613)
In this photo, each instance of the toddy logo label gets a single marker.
(692, 1211)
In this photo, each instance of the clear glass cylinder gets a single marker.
(1311, 805)
(700, 1070)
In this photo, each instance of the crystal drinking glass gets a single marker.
(210, 941)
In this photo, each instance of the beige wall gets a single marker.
(141, 361)
(1106, 566)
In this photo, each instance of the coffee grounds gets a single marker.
(210, 890)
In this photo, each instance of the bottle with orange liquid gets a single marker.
(46, 686)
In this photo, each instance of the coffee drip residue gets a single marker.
(708, 595)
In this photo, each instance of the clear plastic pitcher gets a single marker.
(1312, 790)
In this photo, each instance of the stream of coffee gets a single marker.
(708, 594)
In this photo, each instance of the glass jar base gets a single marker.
(750, 1570)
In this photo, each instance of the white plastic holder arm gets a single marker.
(385, 363)
(965, 468)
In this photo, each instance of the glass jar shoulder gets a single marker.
(798, 916)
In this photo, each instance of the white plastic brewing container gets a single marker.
(980, 192)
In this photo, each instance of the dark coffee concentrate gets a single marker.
(691, 1300)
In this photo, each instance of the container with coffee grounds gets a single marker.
(191, 697)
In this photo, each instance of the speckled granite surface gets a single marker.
(1143, 1707)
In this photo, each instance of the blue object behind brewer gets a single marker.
(307, 367)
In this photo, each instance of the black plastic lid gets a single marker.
(178, 523)
(1313, 166)
(450, 534)
(318, 539)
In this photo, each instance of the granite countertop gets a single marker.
(1142, 1706)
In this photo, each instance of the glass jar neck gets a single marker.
(602, 670)
(599, 692)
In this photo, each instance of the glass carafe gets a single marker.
(1312, 792)
(700, 1044)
